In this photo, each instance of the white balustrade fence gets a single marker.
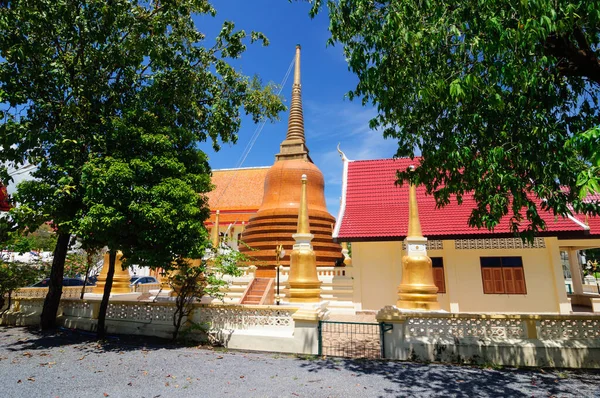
(571, 341)
(518, 340)
(569, 328)
(41, 292)
(502, 328)
(141, 312)
(244, 317)
(324, 272)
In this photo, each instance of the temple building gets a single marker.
(264, 202)
(238, 194)
(475, 270)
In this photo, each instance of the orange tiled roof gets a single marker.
(237, 189)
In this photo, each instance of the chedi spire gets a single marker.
(296, 120)
(281, 215)
(294, 145)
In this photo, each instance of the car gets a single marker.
(66, 282)
(140, 280)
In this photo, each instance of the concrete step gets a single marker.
(256, 291)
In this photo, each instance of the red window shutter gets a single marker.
(519, 277)
(488, 280)
(438, 278)
(509, 280)
(498, 280)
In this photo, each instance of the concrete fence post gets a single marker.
(530, 326)
(394, 346)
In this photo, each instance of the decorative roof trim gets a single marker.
(340, 217)
(578, 222)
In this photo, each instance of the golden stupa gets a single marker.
(277, 218)
(417, 289)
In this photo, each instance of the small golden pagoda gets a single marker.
(276, 219)
(121, 276)
(304, 285)
(417, 290)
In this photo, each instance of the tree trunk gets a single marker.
(107, 288)
(52, 301)
(87, 272)
(2, 302)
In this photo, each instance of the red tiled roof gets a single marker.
(4, 204)
(238, 194)
(376, 208)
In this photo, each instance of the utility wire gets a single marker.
(255, 136)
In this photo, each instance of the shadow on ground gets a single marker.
(463, 381)
(85, 341)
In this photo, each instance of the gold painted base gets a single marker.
(417, 290)
(409, 301)
(304, 285)
(304, 295)
(121, 277)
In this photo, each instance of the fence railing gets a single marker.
(41, 292)
(238, 317)
(323, 272)
(229, 317)
(495, 326)
(145, 287)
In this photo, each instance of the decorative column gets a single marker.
(417, 290)
(303, 282)
(120, 279)
(214, 233)
(575, 268)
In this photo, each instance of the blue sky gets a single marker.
(329, 117)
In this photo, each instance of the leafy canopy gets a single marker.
(109, 100)
(71, 69)
(500, 97)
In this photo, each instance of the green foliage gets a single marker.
(15, 275)
(77, 67)
(20, 241)
(195, 279)
(6, 228)
(75, 265)
(500, 97)
(109, 100)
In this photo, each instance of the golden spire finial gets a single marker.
(303, 223)
(296, 120)
(214, 236)
(414, 225)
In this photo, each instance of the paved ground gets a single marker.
(67, 364)
(352, 340)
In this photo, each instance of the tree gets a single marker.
(22, 241)
(145, 199)
(70, 70)
(500, 98)
(75, 265)
(193, 280)
(14, 275)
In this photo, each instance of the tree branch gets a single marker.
(574, 59)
